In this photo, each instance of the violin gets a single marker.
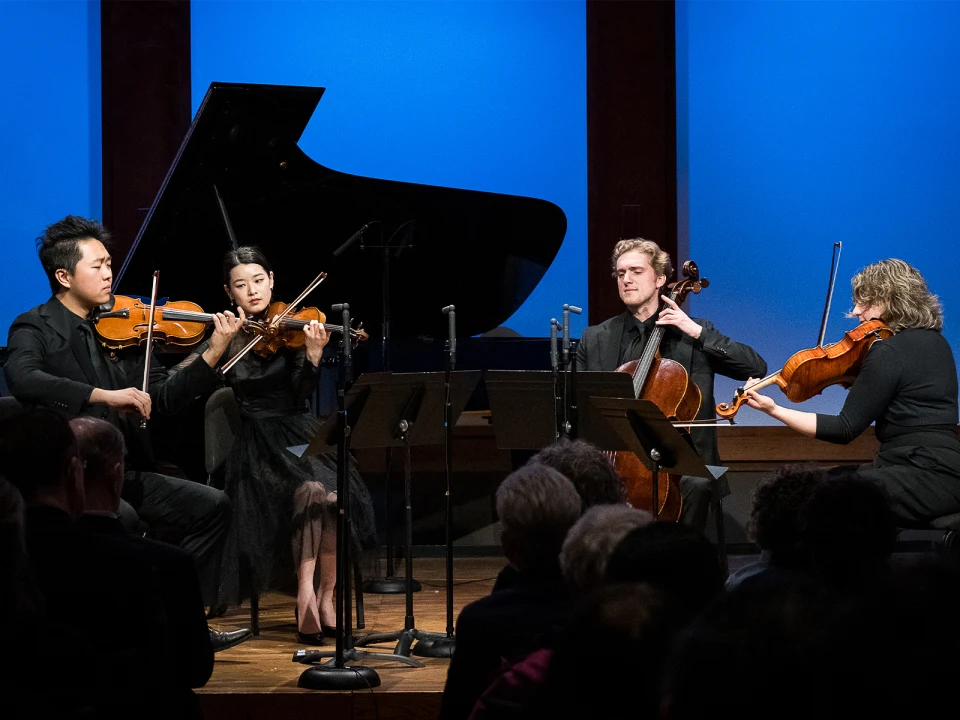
(183, 324)
(667, 384)
(289, 331)
(123, 322)
(809, 372)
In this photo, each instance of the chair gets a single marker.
(221, 423)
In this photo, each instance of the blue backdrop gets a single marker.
(476, 95)
(49, 135)
(800, 124)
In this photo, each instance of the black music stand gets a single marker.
(405, 409)
(336, 674)
(523, 406)
(640, 427)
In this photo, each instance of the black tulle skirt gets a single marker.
(280, 502)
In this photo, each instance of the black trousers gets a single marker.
(922, 480)
(200, 514)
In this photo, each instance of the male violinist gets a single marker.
(641, 269)
(56, 361)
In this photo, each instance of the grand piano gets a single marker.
(240, 177)
(240, 167)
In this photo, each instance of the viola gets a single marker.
(809, 372)
(667, 384)
(183, 324)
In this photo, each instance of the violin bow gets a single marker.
(834, 265)
(274, 322)
(146, 362)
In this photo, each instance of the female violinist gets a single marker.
(281, 501)
(908, 385)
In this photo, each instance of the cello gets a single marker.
(667, 384)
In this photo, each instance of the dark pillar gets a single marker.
(145, 76)
(631, 136)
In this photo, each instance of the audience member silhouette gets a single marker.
(759, 651)
(122, 658)
(583, 562)
(674, 558)
(848, 532)
(775, 521)
(591, 473)
(101, 447)
(592, 539)
(536, 506)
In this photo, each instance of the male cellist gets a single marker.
(641, 269)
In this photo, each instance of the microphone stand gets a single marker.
(336, 674)
(391, 584)
(554, 366)
(569, 387)
(437, 644)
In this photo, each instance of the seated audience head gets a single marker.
(672, 557)
(634, 624)
(587, 468)
(849, 531)
(38, 455)
(778, 502)
(536, 506)
(101, 452)
(771, 632)
(592, 539)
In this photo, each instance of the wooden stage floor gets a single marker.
(258, 679)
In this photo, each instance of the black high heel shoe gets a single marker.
(314, 638)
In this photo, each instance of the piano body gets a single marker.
(240, 172)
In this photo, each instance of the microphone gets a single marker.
(553, 343)
(351, 240)
(567, 309)
(450, 312)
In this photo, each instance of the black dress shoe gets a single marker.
(329, 631)
(310, 638)
(224, 640)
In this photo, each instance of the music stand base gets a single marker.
(331, 677)
(403, 638)
(437, 645)
(389, 586)
(308, 656)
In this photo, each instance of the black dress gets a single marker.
(279, 499)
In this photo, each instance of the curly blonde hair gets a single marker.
(900, 290)
(659, 260)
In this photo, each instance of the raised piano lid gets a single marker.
(483, 252)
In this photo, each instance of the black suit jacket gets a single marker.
(504, 626)
(178, 588)
(710, 354)
(129, 609)
(49, 365)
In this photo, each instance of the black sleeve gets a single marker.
(27, 379)
(305, 376)
(172, 390)
(468, 675)
(728, 358)
(869, 396)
